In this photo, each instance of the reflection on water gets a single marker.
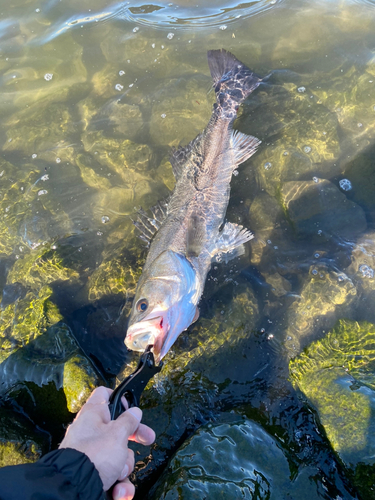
(93, 97)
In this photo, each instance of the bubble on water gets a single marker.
(269, 242)
(163, 115)
(315, 179)
(235, 173)
(162, 46)
(340, 278)
(223, 27)
(316, 255)
(367, 271)
(359, 125)
(267, 165)
(286, 153)
(170, 36)
(135, 29)
(58, 160)
(301, 89)
(99, 233)
(33, 156)
(219, 257)
(80, 249)
(2, 173)
(320, 232)
(153, 45)
(270, 336)
(37, 10)
(131, 85)
(44, 177)
(307, 149)
(48, 76)
(105, 219)
(314, 272)
(121, 72)
(119, 87)
(42, 192)
(345, 184)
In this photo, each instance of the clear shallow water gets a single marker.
(93, 96)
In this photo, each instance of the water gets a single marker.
(94, 95)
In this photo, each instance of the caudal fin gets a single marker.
(233, 81)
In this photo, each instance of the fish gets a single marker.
(190, 233)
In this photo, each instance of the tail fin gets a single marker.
(233, 81)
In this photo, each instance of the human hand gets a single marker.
(105, 441)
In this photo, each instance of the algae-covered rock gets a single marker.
(52, 356)
(301, 136)
(40, 267)
(336, 374)
(79, 381)
(20, 441)
(325, 296)
(317, 208)
(180, 111)
(233, 460)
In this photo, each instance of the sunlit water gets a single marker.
(93, 97)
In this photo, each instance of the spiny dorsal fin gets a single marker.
(148, 226)
(243, 146)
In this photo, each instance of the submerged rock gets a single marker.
(325, 296)
(317, 208)
(180, 105)
(336, 374)
(20, 441)
(233, 460)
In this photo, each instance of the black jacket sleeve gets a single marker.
(64, 474)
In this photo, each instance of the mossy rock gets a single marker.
(79, 381)
(336, 374)
(180, 105)
(326, 294)
(20, 440)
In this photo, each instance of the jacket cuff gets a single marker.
(77, 468)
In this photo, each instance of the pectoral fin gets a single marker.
(230, 242)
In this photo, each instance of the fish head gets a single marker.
(165, 304)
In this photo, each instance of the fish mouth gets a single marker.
(152, 331)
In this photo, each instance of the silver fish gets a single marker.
(188, 234)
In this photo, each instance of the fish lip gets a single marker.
(149, 331)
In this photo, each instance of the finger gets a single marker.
(100, 395)
(129, 466)
(128, 422)
(125, 403)
(123, 491)
(97, 404)
(143, 435)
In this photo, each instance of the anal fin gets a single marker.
(230, 242)
(243, 146)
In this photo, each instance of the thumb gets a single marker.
(128, 422)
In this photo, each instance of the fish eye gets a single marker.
(142, 305)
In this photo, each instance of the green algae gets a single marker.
(336, 374)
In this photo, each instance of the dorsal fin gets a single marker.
(148, 226)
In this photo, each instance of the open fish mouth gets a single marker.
(145, 333)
